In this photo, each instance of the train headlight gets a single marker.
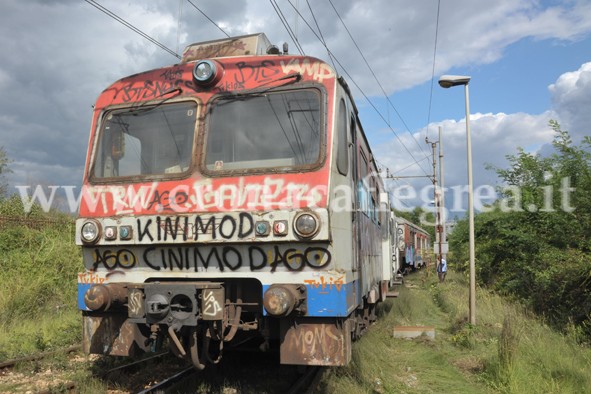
(306, 225)
(206, 72)
(279, 301)
(90, 232)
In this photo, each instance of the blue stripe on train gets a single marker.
(324, 299)
(328, 299)
(82, 289)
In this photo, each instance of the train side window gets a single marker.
(342, 144)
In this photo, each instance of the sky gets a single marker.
(529, 62)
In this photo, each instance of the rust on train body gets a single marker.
(320, 341)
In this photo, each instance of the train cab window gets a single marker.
(152, 140)
(271, 130)
(342, 145)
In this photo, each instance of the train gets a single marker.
(232, 201)
(412, 247)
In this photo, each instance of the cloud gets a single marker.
(571, 98)
(59, 56)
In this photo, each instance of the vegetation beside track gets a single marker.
(508, 351)
(38, 266)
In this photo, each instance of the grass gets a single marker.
(507, 351)
(38, 297)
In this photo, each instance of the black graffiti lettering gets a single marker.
(226, 257)
(149, 90)
(177, 258)
(317, 257)
(145, 231)
(245, 219)
(278, 258)
(205, 262)
(160, 200)
(224, 225)
(261, 72)
(168, 229)
(147, 261)
(159, 228)
(294, 261)
(180, 197)
(233, 265)
(172, 74)
(123, 258)
(199, 227)
(254, 266)
(185, 228)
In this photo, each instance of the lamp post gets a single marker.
(448, 81)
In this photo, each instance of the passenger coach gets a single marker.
(231, 200)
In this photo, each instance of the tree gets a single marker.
(535, 243)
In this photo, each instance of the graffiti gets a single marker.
(318, 341)
(255, 72)
(198, 259)
(225, 227)
(122, 258)
(227, 48)
(317, 70)
(135, 302)
(90, 278)
(149, 89)
(172, 74)
(271, 193)
(326, 286)
(164, 201)
(212, 307)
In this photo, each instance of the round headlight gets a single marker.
(278, 301)
(306, 225)
(205, 72)
(90, 232)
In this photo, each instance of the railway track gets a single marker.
(185, 380)
(159, 374)
(38, 356)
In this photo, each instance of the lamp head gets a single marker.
(448, 81)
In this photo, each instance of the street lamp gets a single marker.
(448, 81)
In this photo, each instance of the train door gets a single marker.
(356, 241)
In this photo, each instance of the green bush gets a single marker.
(38, 270)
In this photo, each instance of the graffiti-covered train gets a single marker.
(232, 200)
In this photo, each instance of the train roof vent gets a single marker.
(252, 44)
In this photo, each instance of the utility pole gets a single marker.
(437, 210)
(442, 218)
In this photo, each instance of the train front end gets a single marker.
(204, 219)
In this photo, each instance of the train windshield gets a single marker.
(279, 129)
(145, 141)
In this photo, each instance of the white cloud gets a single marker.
(571, 97)
(58, 56)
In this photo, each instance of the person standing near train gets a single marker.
(442, 269)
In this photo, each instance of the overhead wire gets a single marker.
(287, 26)
(433, 70)
(208, 18)
(321, 36)
(132, 27)
(376, 78)
(362, 92)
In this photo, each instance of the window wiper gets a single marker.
(257, 92)
(150, 105)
